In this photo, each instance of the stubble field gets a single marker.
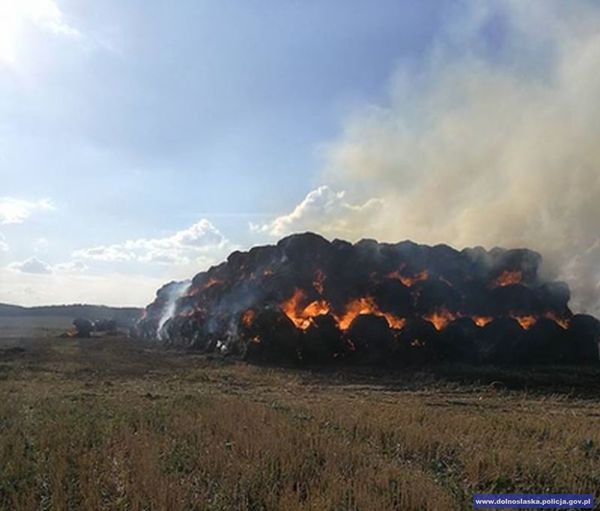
(107, 423)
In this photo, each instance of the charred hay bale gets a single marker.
(487, 266)
(458, 341)
(371, 338)
(499, 341)
(272, 338)
(415, 256)
(418, 342)
(522, 260)
(546, 343)
(83, 326)
(477, 299)
(305, 253)
(186, 332)
(322, 341)
(555, 297)
(192, 335)
(515, 299)
(393, 296)
(584, 335)
(448, 263)
(430, 295)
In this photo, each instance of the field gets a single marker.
(108, 424)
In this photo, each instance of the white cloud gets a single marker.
(36, 265)
(16, 211)
(71, 267)
(31, 265)
(3, 245)
(200, 241)
(325, 211)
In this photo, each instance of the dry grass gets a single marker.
(104, 424)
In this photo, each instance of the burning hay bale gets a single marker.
(271, 337)
(371, 339)
(313, 301)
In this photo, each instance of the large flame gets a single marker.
(366, 305)
(302, 316)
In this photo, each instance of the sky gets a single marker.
(143, 141)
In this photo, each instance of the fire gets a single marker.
(316, 308)
(302, 316)
(292, 306)
(481, 321)
(407, 280)
(562, 322)
(507, 277)
(193, 291)
(394, 321)
(248, 317)
(526, 322)
(440, 318)
(356, 308)
(318, 281)
(366, 305)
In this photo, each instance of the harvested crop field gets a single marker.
(106, 423)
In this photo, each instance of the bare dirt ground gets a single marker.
(108, 423)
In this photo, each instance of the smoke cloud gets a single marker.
(491, 148)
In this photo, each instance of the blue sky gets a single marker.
(142, 141)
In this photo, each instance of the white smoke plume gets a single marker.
(492, 151)
(175, 291)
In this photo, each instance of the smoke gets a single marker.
(174, 291)
(496, 145)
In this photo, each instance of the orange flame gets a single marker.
(316, 308)
(355, 308)
(562, 322)
(526, 322)
(407, 280)
(481, 321)
(292, 306)
(192, 291)
(302, 316)
(507, 277)
(366, 305)
(440, 318)
(248, 317)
